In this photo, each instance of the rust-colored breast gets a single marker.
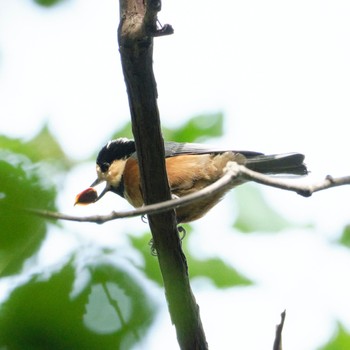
(186, 174)
(191, 173)
(131, 177)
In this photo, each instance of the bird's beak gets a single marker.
(96, 182)
(104, 191)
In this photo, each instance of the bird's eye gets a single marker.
(104, 167)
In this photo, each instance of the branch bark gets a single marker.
(138, 26)
(277, 345)
(234, 172)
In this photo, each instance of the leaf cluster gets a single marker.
(110, 307)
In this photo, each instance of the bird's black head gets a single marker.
(115, 150)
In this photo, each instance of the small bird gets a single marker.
(190, 167)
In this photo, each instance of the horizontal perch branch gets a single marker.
(233, 172)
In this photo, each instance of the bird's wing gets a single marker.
(176, 148)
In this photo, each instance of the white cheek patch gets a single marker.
(115, 172)
(102, 177)
(100, 174)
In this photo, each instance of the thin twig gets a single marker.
(234, 172)
(144, 210)
(301, 189)
(277, 345)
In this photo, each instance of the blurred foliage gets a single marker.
(112, 309)
(150, 264)
(197, 129)
(340, 341)
(215, 269)
(22, 187)
(254, 214)
(110, 312)
(42, 147)
(345, 237)
(48, 3)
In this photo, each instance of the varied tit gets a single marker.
(190, 167)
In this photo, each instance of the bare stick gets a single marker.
(234, 172)
(301, 189)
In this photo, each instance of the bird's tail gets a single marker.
(288, 163)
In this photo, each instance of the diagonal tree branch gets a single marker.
(138, 26)
(233, 173)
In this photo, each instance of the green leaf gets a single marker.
(150, 266)
(111, 311)
(340, 341)
(197, 129)
(124, 131)
(345, 237)
(118, 305)
(43, 147)
(216, 270)
(22, 187)
(47, 3)
(255, 214)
